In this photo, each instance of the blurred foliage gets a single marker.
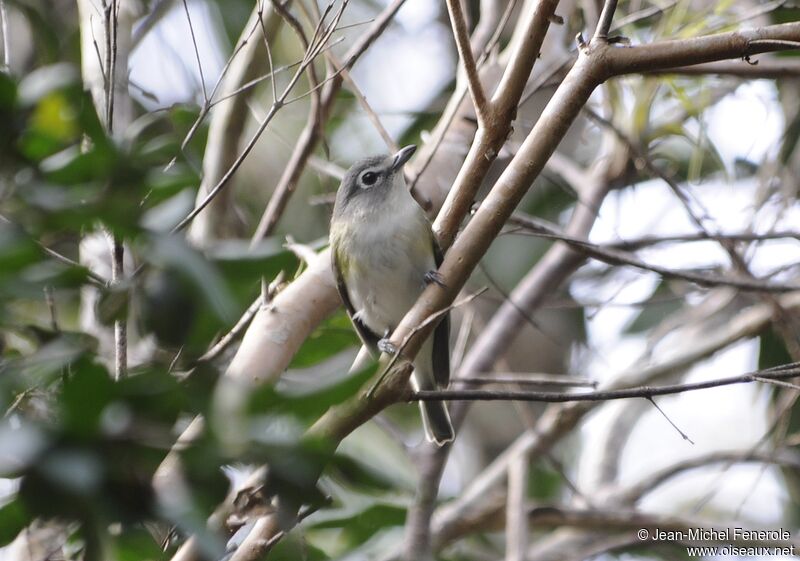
(82, 446)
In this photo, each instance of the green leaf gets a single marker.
(73, 165)
(172, 252)
(8, 92)
(136, 544)
(14, 517)
(311, 399)
(772, 350)
(244, 267)
(17, 251)
(350, 470)
(86, 394)
(362, 519)
(329, 339)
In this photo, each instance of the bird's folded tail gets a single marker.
(436, 420)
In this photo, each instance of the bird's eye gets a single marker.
(369, 178)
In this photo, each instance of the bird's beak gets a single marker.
(403, 156)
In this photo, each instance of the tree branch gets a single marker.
(686, 52)
(767, 68)
(516, 510)
(468, 61)
(489, 140)
(786, 372)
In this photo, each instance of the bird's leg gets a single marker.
(385, 345)
(434, 277)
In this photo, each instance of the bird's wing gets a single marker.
(367, 336)
(441, 335)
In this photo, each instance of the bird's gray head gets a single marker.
(371, 179)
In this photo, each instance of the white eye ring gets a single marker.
(368, 179)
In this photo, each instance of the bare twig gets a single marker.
(196, 52)
(606, 16)
(312, 132)
(532, 379)
(617, 257)
(220, 346)
(789, 371)
(391, 145)
(468, 61)
(91, 276)
(228, 122)
(223, 181)
(670, 421)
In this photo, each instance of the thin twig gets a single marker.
(680, 432)
(604, 23)
(93, 277)
(532, 379)
(482, 107)
(789, 371)
(196, 53)
(220, 346)
(312, 132)
(362, 100)
(647, 484)
(276, 105)
(617, 257)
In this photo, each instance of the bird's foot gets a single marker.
(434, 277)
(386, 346)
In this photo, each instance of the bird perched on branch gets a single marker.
(384, 254)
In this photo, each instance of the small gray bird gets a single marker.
(384, 253)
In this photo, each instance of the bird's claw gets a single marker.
(386, 346)
(434, 277)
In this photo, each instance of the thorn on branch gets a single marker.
(556, 19)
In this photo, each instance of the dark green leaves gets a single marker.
(13, 518)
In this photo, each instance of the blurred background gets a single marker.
(686, 160)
